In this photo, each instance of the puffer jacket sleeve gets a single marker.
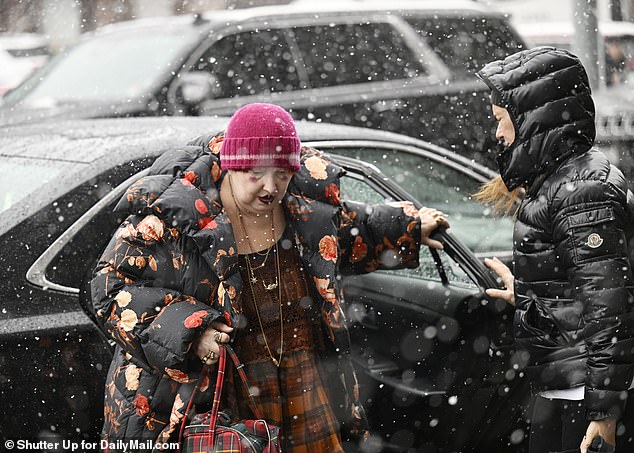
(135, 296)
(589, 224)
(379, 237)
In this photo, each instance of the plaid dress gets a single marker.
(292, 396)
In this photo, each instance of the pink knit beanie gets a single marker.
(260, 135)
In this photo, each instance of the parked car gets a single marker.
(11, 72)
(432, 349)
(20, 55)
(615, 97)
(397, 67)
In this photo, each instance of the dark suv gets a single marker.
(406, 69)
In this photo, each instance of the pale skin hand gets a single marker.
(217, 333)
(430, 219)
(604, 428)
(508, 280)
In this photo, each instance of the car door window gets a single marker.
(357, 189)
(440, 186)
(467, 44)
(338, 54)
(252, 62)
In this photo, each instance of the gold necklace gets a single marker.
(270, 287)
(250, 268)
(266, 258)
(253, 278)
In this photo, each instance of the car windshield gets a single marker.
(22, 178)
(19, 177)
(111, 67)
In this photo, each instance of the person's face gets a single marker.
(505, 131)
(258, 190)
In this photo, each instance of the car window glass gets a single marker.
(355, 53)
(439, 186)
(252, 62)
(359, 190)
(86, 72)
(466, 44)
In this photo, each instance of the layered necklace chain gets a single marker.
(268, 287)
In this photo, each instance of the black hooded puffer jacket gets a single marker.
(573, 284)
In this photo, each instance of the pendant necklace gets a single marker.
(268, 287)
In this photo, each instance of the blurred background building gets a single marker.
(62, 21)
(59, 23)
(556, 11)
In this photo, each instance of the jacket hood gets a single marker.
(548, 96)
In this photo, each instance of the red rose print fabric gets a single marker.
(171, 269)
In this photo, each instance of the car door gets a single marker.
(427, 342)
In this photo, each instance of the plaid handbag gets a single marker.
(213, 431)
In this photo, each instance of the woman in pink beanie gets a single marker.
(249, 234)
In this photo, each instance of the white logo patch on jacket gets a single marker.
(594, 241)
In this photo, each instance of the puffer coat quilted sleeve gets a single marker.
(143, 289)
(588, 232)
(136, 300)
(379, 237)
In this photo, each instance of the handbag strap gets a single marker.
(222, 361)
(243, 378)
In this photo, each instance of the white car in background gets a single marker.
(20, 54)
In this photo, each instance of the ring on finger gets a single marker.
(218, 337)
(209, 357)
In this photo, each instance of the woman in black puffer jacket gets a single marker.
(572, 288)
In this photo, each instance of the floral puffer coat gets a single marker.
(172, 268)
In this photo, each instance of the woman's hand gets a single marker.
(430, 219)
(604, 428)
(206, 347)
(507, 294)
